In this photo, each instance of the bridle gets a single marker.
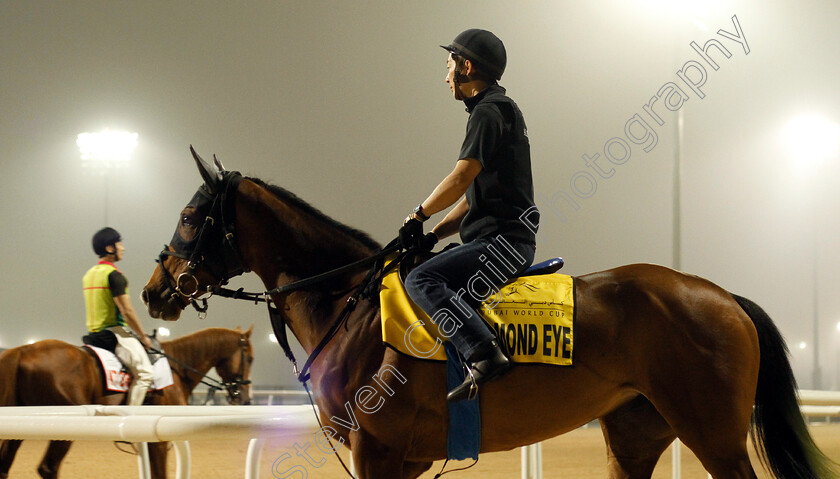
(220, 214)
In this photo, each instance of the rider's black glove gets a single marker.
(427, 242)
(411, 233)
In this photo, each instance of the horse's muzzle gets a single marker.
(161, 304)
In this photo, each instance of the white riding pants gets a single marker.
(133, 354)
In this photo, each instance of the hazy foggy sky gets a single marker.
(344, 103)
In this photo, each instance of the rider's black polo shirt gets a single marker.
(504, 191)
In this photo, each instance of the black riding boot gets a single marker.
(484, 366)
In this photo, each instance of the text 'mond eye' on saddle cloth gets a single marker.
(533, 317)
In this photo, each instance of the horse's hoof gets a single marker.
(46, 473)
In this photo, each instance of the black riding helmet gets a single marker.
(103, 238)
(480, 47)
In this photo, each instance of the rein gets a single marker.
(278, 324)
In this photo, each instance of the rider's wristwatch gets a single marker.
(418, 212)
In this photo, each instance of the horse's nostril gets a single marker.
(144, 296)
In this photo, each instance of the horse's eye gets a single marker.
(185, 220)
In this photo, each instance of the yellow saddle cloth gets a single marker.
(533, 317)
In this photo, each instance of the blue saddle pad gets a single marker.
(463, 439)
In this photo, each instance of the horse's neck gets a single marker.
(192, 358)
(282, 243)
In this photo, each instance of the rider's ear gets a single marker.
(211, 174)
(469, 68)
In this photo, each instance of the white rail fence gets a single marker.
(178, 424)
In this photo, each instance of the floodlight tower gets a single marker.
(105, 150)
(812, 141)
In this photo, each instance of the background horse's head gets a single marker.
(202, 252)
(235, 369)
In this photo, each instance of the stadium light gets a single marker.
(106, 149)
(811, 140)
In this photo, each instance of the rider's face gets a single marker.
(451, 65)
(119, 250)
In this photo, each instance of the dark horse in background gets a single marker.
(55, 373)
(659, 354)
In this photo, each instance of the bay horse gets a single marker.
(56, 373)
(659, 354)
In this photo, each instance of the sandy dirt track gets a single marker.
(578, 454)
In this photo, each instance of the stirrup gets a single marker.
(473, 385)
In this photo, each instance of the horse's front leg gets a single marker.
(8, 449)
(157, 459)
(374, 460)
(48, 469)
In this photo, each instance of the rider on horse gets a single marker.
(496, 215)
(109, 311)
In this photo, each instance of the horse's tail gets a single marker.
(9, 361)
(778, 428)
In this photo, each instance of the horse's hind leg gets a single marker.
(8, 449)
(636, 436)
(48, 469)
(710, 412)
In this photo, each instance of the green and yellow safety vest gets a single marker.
(102, 311)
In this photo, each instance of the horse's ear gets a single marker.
(250, 330)
(218, 163)
(210, 173)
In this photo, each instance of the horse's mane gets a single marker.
(289, 197)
